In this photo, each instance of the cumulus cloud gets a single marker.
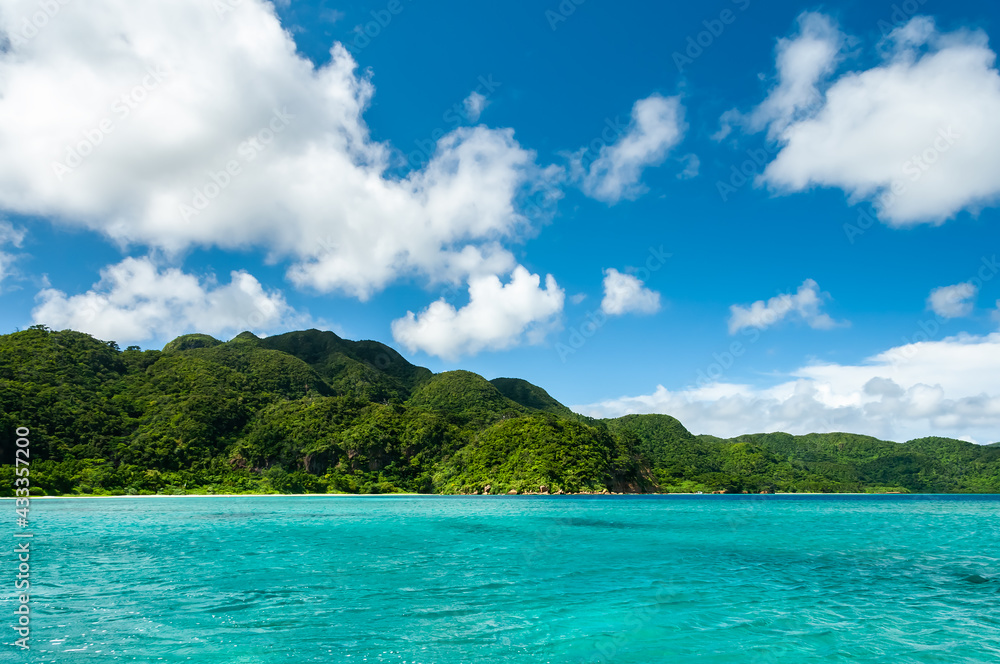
(136, 301)
(624, 293)
(328, 15)
(173, 125)
(657, 126)
(692, 167)
(9, 236)
(498, 316)
(916, 135)
(952, 301)
(474, 105)
(803, 62)
(944, 388)
(806, 304)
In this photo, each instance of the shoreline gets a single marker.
(442, 495)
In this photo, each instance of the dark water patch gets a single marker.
(479, 527)
(602, 523)
(227, 516)
(976, 579)
(251, 517)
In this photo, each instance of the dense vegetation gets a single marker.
(310, 412)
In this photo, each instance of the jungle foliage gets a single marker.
(309, 412)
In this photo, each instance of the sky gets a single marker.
(751, 216)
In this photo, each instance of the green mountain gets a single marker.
(530, 396)
(311, 412)
(365, 368)
(465, 395)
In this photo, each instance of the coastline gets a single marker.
(231, 495)
(436, 495)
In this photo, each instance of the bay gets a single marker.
(421, 579)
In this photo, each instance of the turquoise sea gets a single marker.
(708, 579)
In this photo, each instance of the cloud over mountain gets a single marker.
(174, 125)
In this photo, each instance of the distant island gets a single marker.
(310, 412)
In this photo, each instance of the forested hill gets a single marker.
(311, 412)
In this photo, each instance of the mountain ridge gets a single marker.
(308, 411)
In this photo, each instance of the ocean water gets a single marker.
(707, 579)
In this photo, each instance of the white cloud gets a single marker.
(328, 15)
(9, 235)
(806, 304)
(802, 63)
(498, 316)
(624, 293)
(952, 301)
(942, 388)
(474, 105)
(916, 135)
(137, 301)
(657, 126)
(148, 104)
(692, 167)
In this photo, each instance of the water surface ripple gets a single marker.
(707, 579)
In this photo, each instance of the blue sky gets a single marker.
(543, 190)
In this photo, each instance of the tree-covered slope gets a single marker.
(466, 397)
(530, 396)
(306, 411)
(673, 453)
(68, 385)
(365, 368)
(850, 462)
(311, 412)
(543, 453)
(267, 371)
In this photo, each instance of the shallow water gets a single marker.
(706, 579)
